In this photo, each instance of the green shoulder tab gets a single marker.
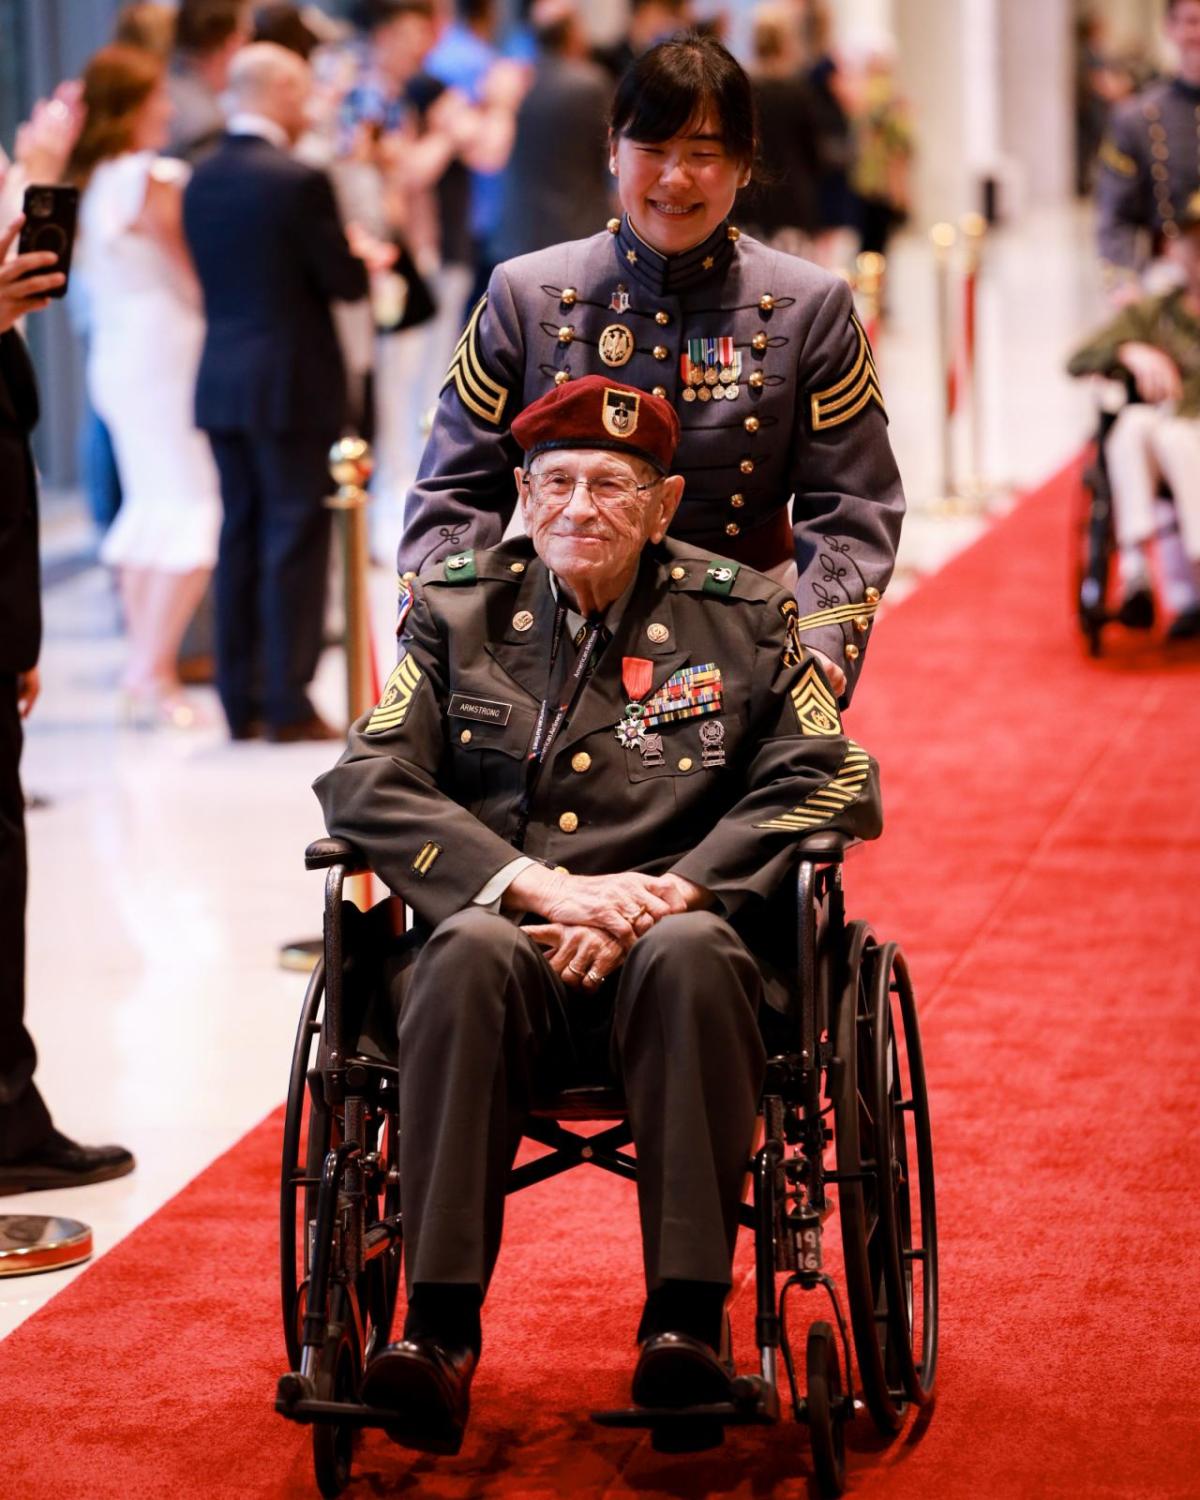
(459, 567)
(720, 576)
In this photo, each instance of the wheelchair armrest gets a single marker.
(826, 848)
(322, 853)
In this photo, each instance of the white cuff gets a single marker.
(495, 888)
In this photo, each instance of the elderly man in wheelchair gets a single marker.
(598, 757)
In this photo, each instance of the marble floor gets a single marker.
(166, 868)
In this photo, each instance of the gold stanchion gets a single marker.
(350, 465)
(871, 272)
(978, 488)
(943, 238)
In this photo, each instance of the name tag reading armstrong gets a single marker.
(482, 710)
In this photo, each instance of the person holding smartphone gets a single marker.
(33, 1154)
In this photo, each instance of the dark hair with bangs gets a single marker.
(678, 82)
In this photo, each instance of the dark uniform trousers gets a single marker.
(481, 1025)
(272, 564)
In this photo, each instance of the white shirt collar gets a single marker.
(246, 123)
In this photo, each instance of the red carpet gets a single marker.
(1040, 868)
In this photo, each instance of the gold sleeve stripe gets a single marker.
(478, 392)
(1113, 157)
(392, 707)
(827, 801)
(816, 707)
(424, 861)
(840, 402)
(836, 616)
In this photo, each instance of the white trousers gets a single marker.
(1147, 445)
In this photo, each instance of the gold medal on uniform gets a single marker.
(616, 345)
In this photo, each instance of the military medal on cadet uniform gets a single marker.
(710, 370)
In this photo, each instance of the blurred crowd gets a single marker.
(449, 146)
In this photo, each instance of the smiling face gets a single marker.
(1182, 26)
(676, 192)
(592, 534)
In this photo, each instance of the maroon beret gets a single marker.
(593, 412)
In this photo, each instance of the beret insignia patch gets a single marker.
(620, 412)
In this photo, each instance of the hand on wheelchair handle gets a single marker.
(1154, 372)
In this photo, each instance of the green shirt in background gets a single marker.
(1162, 321)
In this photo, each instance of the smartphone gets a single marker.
(49, 224)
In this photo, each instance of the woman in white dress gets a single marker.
(147, 329)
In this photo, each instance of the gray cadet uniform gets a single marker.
(786, 402)
(1149, 168)
(751, 757)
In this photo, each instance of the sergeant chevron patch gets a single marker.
(389, 712)
(816, 707)
(841, 402)
(827, 801)
(477, 390)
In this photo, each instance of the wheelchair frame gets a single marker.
(855, 1032)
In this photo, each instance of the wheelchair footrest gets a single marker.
(755, 1404)
(294, 1400)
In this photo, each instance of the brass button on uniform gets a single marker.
(613, 225)
(747, 466)
(465, 737)
(732, 529)
(662, 318)
(757, 379)
(766, 302)
(759, 341)
(581, 762)
(851, 652)
(561, 870)
(733, 233)
(568, 296)
(561, 377)
(685, 763)
(661, 351)
(751, 424)
(517, 567)
(677, 573)
(872, 596)
(660, 391)
(409, 576)
(737, 501)
(568, 822)
(861, 622)
(565, 335)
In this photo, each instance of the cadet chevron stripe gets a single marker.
(397, 695)
(839, 402)
(477, 390)
(827, 801)
(838, 615)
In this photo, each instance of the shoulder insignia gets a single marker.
(840, 402)
(823, 805)
(793, 651)
(720, 576)
(477, 390)
(392, 707)
(404, 602)
(816, 707)
(1116, 160)
(459, 567)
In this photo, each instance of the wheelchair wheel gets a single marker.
(337, 1379)
(1094, 553)
(826, 1409)
(300, 1175)
(864, 1253)
(907, 1207)
(379, 1286)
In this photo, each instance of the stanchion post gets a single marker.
(974, 229)
(872, 271)
(943, 237)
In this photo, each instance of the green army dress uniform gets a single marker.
(1164, 322)
(772, 377)
(742, 753)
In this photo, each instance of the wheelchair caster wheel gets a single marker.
(333, 1442)
(825, 1409)
(695, 1435)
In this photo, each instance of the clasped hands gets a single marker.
(592, 921)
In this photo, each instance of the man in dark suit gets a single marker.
(271, 255)
(33, 1154)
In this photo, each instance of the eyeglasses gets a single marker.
(556, 487)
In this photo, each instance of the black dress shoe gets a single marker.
(1185, 626)
(312, 728)
(428, 1387)
(1136, 610)
(675, 1369)
(63, 1163)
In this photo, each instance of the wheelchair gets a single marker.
(844, 1122)
(1096, 546)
